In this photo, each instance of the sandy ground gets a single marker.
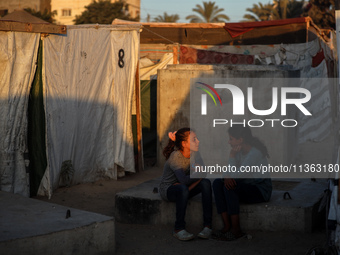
(99, 197)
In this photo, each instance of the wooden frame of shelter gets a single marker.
(243, 33)
(288, 31)
(22, 21)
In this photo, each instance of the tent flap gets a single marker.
(18, 55)
(36, 129)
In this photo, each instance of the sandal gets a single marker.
(229, 236)
(219, 234)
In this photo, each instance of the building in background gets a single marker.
(8, 6)
(67, 10)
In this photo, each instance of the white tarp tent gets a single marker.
(88, 82)
(18, 53)
(88, 102)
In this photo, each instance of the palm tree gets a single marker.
(167, 18)
(209, 13)
(259, 12)
(280, 9)
(322, 12)
(286, 9)
(295, 9)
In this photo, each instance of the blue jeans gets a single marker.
(229, 200)
(180, 194)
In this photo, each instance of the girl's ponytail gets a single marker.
(175, 141)
(169, 149)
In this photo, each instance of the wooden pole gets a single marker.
(140, 163)
(175, 54)
(32, 27)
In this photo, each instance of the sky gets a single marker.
(234, 9)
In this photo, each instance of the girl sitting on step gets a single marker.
(246, 150)
(177, 186)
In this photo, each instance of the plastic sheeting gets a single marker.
(318, 126)
(89, 80)
(298, 55)
(18, 54)
(148, 72)
(313, 67)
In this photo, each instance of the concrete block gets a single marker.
(139, 205)
(30, 226)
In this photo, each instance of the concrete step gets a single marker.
(140, 205)
(30, 226)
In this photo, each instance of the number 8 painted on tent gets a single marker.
(120, 60)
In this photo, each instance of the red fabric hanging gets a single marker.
(190, 55)
(318, 58)
(236, 29)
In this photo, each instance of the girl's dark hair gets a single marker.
(181, 135)
(239, 131)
